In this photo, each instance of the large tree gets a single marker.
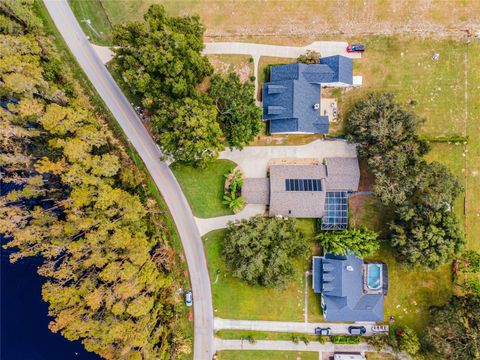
(362, 242)
(238, 115)
(188, 131)
(70, 204)
(260, 250)
(454, 331)
(386, 137)
(161, 56)
(436, 186)
(426, 237)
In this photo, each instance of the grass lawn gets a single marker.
(266, 355)
(234, 299)
(472, 174)
(411, 292)
(203, 187)
(100, 29)
(261, 335)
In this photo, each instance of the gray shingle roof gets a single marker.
(256, 190)
(342, 174)
(294, 89)
(308, 204)
(340, 281)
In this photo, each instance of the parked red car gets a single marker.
(355, 48)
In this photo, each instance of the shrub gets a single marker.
(343, 339)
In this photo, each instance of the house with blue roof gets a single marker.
(350, 289)
(291, 100)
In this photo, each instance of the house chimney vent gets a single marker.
(316, 106)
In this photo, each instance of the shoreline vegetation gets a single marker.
(111, 257)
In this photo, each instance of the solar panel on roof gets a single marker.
(303, 185)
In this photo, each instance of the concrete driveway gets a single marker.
(207, 225)
(254, 159)
(221, 344)
(287, 326)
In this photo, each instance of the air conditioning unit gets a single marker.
(316, 106)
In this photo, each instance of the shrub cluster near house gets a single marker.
(75, 199)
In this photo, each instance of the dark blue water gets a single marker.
(24, 315)
(24, 320)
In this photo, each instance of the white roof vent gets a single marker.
(316, 106)
(349, 268)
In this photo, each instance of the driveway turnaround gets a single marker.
(254, 159)
(288, 326)
(160, 172)
(221, 344)
(210, 224)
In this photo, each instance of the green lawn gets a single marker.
(234, 299)
(203, 187)
(93, 12)
(405, 67)
(266, 355)
(472, 173)
(261, 335)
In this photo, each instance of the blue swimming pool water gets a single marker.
(374, 276)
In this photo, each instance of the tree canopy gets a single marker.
(387, 139)
(426, 237)
(362, 242)
(161, 57)
(454, 331)
(188, 131)
(260, 250)
(73, 203)
(238, 115)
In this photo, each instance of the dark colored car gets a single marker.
(323, 331)
(357, 330)
(356, 48)
(188, 298)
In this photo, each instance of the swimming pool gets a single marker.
(374, 276)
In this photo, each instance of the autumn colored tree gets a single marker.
(72, 202)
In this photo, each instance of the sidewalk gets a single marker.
(221, 344)
(287, 326)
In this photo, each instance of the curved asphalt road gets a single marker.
(160, 172)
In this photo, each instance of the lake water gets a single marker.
(24, 320)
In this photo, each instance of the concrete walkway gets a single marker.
(207, 225)
(254, 159)
(221, 344)
(287, 326)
